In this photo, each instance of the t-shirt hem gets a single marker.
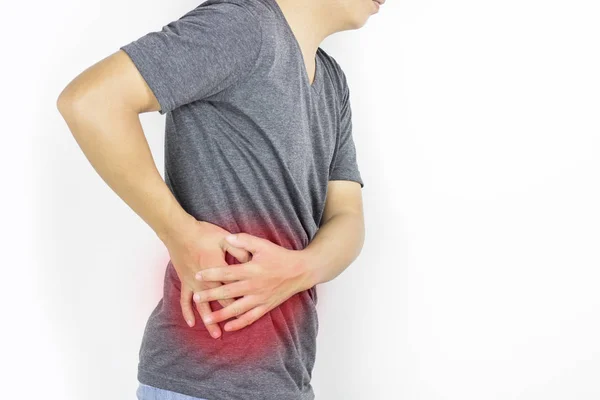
(150, 75)
(204, 392)
(346, 175)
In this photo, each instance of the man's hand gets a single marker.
(273, 275)
(197, 245)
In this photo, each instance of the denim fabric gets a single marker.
(146, 392)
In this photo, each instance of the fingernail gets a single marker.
(208, 320)
(231, 238)
(215, 334)
(199, 276)
(196, 297)
(189, 322)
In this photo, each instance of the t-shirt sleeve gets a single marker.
(205, 51)
(344, 163)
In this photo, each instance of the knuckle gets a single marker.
(236, 309)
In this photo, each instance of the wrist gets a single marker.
(309, 267)
(175, 221)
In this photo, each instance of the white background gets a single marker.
(478, 136)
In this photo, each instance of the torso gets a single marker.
(257, 161)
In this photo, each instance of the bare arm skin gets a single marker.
(340, 238)
(274, 273)
(101, 107)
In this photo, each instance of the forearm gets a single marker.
(335, 246)
(114, 143)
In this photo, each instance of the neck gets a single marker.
(311, 21)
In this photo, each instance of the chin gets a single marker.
(358, 21)
(362, 22)
(358, 14)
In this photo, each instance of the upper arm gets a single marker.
(344, 163)
(113, 82)
(344, 189)
(207, 50)
(199, 54)
(343, 196)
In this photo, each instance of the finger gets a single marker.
(247, 242)
(225, 302)
(204, 310)
(206, 285)
(235, 309)
(228, 273)
(186, 305)
(228, 291)
(239, 254)
(246, 319)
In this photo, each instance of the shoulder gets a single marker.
(335, 73)
(247, 12)
(227, 23)
(254, 8)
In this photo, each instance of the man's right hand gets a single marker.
(198, 245)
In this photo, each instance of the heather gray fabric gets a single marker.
(250, 146)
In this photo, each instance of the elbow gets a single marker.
(62, 101)
(79, 96)
(63, 104)
(76, 111)
(67, 102)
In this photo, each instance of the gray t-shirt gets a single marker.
(250, 145)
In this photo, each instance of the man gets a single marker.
(258, 143)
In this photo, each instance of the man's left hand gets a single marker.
(272, 276)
